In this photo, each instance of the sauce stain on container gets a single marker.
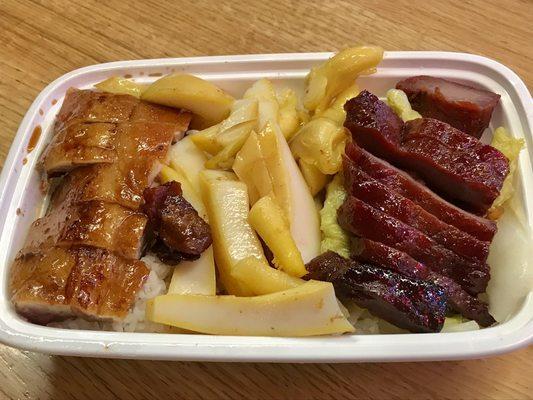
(19, 212)
(36, 134)
(24, 161)
(41, 112)
(128, 76)
(54, 101)
(156, 74)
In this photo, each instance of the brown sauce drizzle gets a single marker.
(36, 134)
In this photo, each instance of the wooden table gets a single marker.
(40, 41)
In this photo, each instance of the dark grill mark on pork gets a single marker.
(411, 304)
(386, 257)
(468, 306)
(463, 107)
(451, 162)
(180, 233)
(366, 221)
(403, 184)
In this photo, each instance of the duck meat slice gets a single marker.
(80, 144)
(180, 233)
(467, 173)
(412, 304)
(366, 221)
(379, 196)
(60, 283)
(463, 107)
(369, 251)
(140, 147)
(92, 106)
(95, 223)
(460, 301)
(102, 285)
(403, 184)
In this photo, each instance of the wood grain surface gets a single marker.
(40, 41)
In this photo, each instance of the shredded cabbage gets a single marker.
(334, 238)
(398, 101)
(456, 323)
(510, 147)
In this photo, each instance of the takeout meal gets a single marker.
(174, 207)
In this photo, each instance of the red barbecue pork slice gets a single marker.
(368, 251)
(366, 221)
(374, 193)
(403, 184)
(411, 304)
(463, 172)
(463, 107)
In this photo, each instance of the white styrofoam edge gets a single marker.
(512, 334)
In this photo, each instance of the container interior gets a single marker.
(513, 276)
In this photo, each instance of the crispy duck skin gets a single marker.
(403, 184)
(60, 283)
(94, 223)
(98, 129)
(93, 106)
(450, 161)
(179, 231)
(463, 107)
(368, 251)
(141, 147)
(416, 305)
(80, 144)
(372, 192)
(366, 221)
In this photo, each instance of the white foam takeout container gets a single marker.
(19, 185)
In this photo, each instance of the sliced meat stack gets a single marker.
(451, 162)
(463, 107)
(403, 184)
(364, 220)
(399, 224)
(81, 258)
